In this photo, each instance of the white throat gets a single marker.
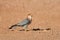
(29, 17)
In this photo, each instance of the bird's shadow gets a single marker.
(36, 29)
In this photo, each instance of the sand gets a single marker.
(45, 14)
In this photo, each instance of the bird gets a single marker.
(24, 23)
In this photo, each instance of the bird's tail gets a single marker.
(13, 26)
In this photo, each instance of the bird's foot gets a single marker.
(24, 30)
(27, 30)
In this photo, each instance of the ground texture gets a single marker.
(46, 14)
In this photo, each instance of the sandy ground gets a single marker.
(46, 14)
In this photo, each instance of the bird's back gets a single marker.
(24, 22)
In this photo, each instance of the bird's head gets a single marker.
(29, 16)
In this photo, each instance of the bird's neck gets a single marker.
(29, 17)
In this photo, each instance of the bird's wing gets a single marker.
(24, 22)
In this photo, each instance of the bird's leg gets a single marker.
(25, 27)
